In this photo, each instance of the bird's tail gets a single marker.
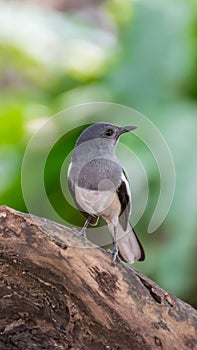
(129, 246)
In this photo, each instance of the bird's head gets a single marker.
(105, 131)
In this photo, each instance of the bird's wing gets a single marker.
(130, 248)
(124, 196)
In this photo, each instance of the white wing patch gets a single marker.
(69, 169)
(124, 179)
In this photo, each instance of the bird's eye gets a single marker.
(109, 132)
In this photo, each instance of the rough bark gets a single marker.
(55, 293)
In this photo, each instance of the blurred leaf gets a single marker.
(11, 124)
(9, 165)
(56, 41)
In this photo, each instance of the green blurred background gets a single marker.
(141, 54)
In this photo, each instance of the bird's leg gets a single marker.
(83, 230)
(115, 250)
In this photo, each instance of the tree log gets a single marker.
(57, 294)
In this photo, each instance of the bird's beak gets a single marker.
(124, 129)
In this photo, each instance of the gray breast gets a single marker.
(99, 173)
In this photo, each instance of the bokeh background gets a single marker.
(142, 54)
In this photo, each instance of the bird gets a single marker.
(99, 187)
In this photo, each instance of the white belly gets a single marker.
(94, 202)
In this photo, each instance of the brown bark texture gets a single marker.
(59, 291)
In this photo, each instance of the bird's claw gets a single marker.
(81, 233)
(115, 255)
